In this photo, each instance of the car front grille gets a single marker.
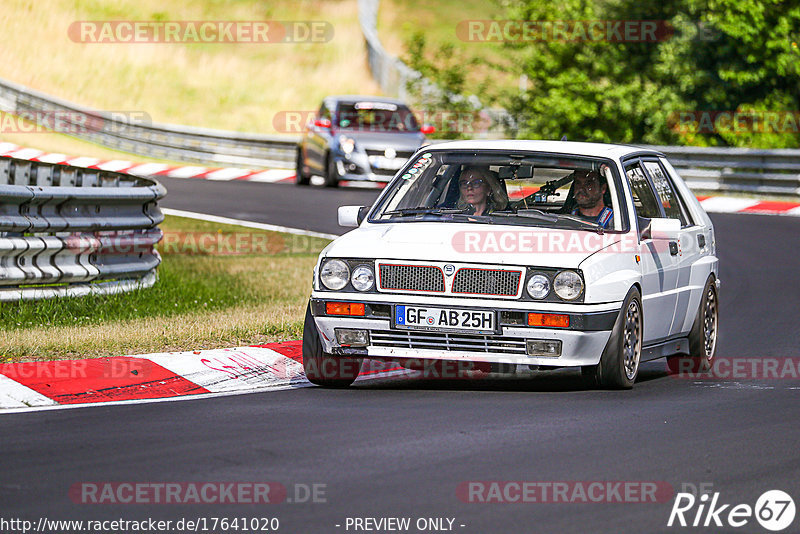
(447, 341)
(398, 154)
(399, 160)
(411, 278)
(487, 282)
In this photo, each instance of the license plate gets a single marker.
(382, 162)
(456, 319)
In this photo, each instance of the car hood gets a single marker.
(470, 243)
(409, 142)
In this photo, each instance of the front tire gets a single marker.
(619, 363)
(322, 368)
(702, 337)
(331, 173)
(301, 177)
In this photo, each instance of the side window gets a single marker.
(324, 112)
(665, 193)
(644, 200)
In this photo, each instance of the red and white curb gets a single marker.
(717, 204)
(712, 204)
(155, 170)
(160, 377)
(150, 169)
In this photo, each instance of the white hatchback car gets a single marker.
(537, 253)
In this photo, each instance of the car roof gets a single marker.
(364, 98)
(559, 147)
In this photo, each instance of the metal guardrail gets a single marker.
(391, 74)
(394, 76)
(740, 170)
(72, 231)
(163, 141)
(712, 169)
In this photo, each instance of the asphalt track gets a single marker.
(400, 448)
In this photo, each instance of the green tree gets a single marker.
(441, 92)
(722, 55)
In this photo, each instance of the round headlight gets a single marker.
(568, 285)
(363, 278)
(347, 144)
(334, 274)
(538, 286)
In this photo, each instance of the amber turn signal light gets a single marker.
(345, 308)
(548, 319)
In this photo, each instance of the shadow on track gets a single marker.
(555, 381)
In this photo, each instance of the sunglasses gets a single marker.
(472, 184)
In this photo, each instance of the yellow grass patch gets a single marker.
(236, 86)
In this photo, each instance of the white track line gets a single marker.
(246, 224)
(727, 204)
(199, 396)
(15, 395)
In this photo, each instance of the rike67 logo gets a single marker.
(774, 510)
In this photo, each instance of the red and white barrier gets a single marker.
(150, 169)
(161, 376)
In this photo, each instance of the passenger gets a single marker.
(589, 190)
(481, 192)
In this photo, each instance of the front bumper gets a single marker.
(581, 344)
(357, 168)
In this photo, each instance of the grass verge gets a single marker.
(219, 286)
(438, 21)
(229, 85)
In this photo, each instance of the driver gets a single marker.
(588, 191)
(480, 192)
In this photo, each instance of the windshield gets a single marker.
(376, 117)
(495, 187)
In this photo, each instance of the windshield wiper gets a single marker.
(529, 214)
(423, 211)
(532, 213)
(591, 225)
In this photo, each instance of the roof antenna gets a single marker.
(564, 137)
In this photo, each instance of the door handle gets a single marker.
(673, 248)
(701, 240)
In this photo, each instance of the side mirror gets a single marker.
(667, 229)
(352, 215)
(322, 123)
(427, 129)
